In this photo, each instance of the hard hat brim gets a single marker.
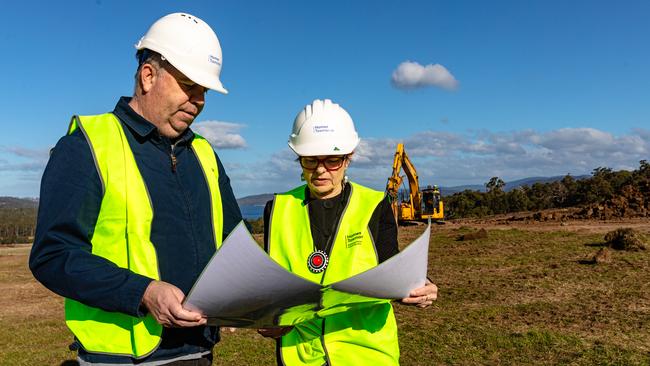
(207, 81)
(321, 149)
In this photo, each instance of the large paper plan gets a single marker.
(243, 287)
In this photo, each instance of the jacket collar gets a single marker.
(141, 126)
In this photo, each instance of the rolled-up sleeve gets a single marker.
(61, 257)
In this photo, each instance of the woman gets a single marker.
(328, 230)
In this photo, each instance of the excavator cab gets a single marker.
(432, 206)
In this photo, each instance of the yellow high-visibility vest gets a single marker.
(122, 235)
(359, 336)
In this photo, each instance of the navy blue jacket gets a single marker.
(181, 231)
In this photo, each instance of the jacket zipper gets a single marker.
(173, 157)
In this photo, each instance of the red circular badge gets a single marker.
(317, 261)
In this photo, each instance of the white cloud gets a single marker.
(278, 173)
(443, 158)
(373, 152)
(450, 159)
(37, 154)
(222, 135)
(23, 159)
(412, 75)
(21, 169)
(574, 139)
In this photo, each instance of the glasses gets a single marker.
(183, 81)
(330, 163)
(156, 59)
(188, 85)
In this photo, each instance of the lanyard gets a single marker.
(318, 260)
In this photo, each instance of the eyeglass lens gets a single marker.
(330, 163)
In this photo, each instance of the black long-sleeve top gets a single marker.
(181, 231)
(323, 213)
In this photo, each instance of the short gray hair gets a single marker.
(146, 56)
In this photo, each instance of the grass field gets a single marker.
(519, 297)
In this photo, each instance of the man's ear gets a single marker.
(147, 77)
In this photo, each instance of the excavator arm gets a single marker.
(414, 185)
(412, 209)
(400, 161)
(395, 181)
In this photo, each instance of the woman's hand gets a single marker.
(275, 332)
(423, 296)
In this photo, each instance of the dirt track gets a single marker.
(586, 226)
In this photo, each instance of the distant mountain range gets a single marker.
(261, 199)
(255, 200)
(446, 191)
(13, 202)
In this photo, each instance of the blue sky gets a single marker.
(474, 89)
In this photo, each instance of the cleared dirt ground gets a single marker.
(525, 295)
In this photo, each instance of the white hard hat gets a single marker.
(190, 45)
(323, 128)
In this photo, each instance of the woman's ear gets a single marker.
(347, 160)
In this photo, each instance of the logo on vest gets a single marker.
(353, 239)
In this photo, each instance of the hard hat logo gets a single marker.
(214, 59)
(322, 128)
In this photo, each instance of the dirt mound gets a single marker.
(633, 201)
(526, 217)
(602, 256)
(480, 234)
(625, 239)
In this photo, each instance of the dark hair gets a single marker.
(148, 56)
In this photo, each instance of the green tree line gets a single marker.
(603, 185)
(17, 225)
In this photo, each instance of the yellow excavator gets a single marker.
(415, 204)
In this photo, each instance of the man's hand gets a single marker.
(275, 332)
(423, 296)
(163, 300)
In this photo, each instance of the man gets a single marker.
(133, 204)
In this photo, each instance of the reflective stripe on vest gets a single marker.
(122, 235)
(358, 336)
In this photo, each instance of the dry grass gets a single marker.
(517, 297)
(31, 317)
(523, 297)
